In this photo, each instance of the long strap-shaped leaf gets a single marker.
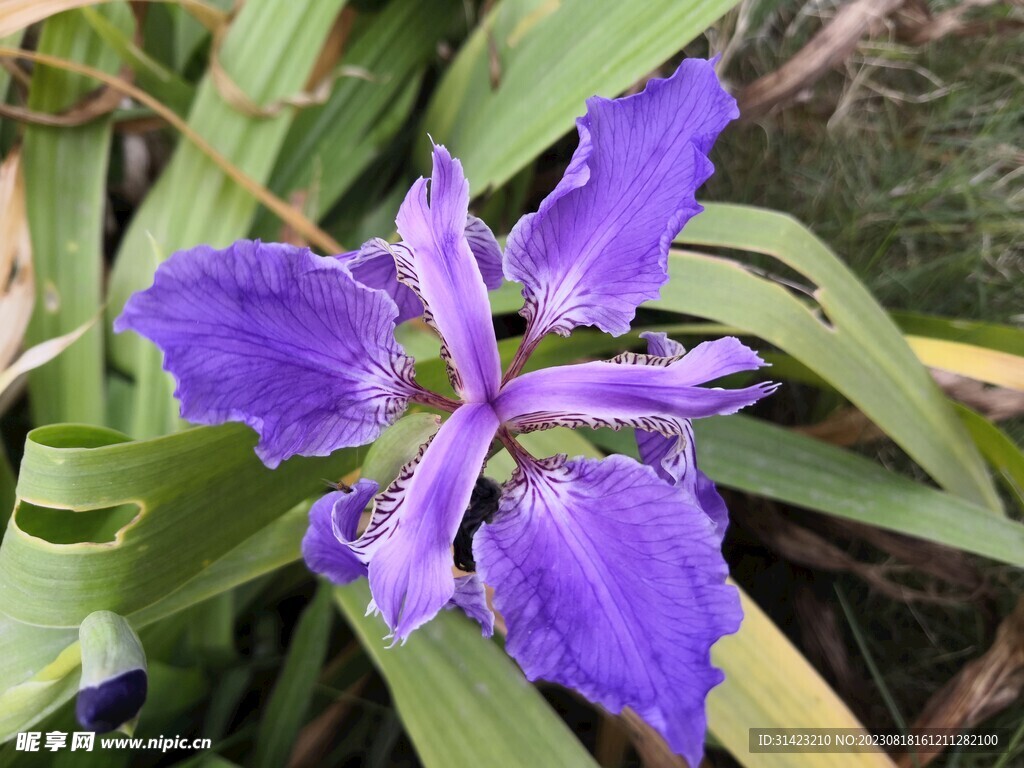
(506, 98)
(855, 347)
(461, 699)
(163, 510)
(269, 52)
(330, 146)
(757, 457)
(69, 164)
(35, 674)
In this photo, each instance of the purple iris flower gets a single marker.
(609, 573)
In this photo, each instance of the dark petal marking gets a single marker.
(649, 392)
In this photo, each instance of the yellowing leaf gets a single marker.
(769, 684)
(980, 363)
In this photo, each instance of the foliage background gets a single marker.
(876, 524)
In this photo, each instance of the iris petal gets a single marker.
(675, 458)
(374, 266)
(471, 598)
(333, 520)
(280, 339)
(644, 391)
(436, 261)
(612, 584)
(597, 246)
(408, 542)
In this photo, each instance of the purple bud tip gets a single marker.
(113, 702)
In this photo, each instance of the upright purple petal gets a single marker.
(437, 262)
(675, 458)
(471, 598)
(644, 391)
(374, 266)
(333, 521)
(611, 584)
(280, 339)
(597, 247)
(408, 542)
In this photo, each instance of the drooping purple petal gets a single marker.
(675, 461)
(437, 263)
(280, 339)
(333, 521)
(675, 458)
(611, 584)
(597, 247)
(471, 598)
(408, 542)
(644, 391)
(374, 266)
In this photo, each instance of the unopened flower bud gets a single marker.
(114, 680)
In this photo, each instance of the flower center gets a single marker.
(483, 503)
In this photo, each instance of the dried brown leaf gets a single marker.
(18, 14)
(982, 688)
(825, 50)
(41, 354)
(318, 89)
(17, 282)
(293, 217)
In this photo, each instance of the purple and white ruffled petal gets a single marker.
(333, 521)
(612, 584)
(648, 392)
(436, 261)
(598, 245)
(471, 598)
(675, 458)
(373, 265)
(280, 339)
(408, 542)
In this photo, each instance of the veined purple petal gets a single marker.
(611, 584)
(644, 391)
(485, 248)
(471, 598)
(660, 345)
(333, 521)
(675, 461)
(597, 247)
(280, 339)
(437, 263)
(675, 458)
(408, 542)
(374, 266)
